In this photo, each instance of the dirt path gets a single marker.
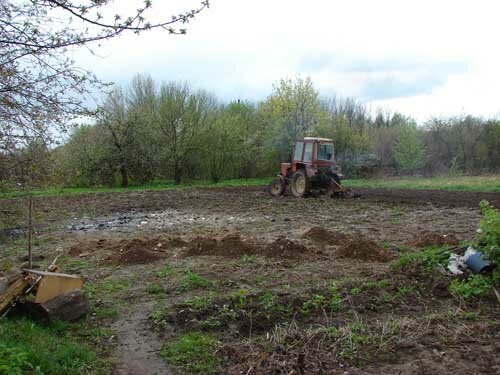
(138, 348)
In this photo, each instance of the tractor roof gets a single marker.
(316, 139)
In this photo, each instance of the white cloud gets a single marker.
(423, 58)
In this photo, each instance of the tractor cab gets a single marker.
(313, 167)
(318, 151)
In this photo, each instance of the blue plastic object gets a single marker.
(476, 263)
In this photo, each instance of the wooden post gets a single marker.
(30, 230)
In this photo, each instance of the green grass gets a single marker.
(475, 286)
(465, 183)
(166, 270)
(193, 353)
(55, 191)
(191, 281)
(29, 348)
(155, 289)
(429, 257)
(106, 312)
(199, 302)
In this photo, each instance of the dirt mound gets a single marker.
(364, 249)
(230, 245)
(136, 251)
(233, 245)
(88, 247)
(428, 238)
(319, 234)
(135, 256)
(349, 246)
(202, 246)
(128, 251)
(283, 247)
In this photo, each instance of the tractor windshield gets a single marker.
(298, 151)
(325, 151)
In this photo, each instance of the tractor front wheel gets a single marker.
(277, 187)
(300, 184)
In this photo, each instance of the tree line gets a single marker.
(148, 131)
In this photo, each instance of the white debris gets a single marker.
(143, 222)
(455, 263)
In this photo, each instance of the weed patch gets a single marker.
(194, 353)
(106, 312)
(166, 270)
(474, 286)
(429, 257)
(154, 289)
(192, 281)
(199, 302)
(26, 348)
(248, 259)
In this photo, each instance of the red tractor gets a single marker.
(313, 168)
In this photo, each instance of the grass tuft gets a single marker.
(193, 353)
(192, 281)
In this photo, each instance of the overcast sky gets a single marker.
(423, 58)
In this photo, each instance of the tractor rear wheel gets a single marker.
(277, 187)
(300, 184)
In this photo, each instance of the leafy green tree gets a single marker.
(221, 145)
(145, 150)
(115, 119)
(249, 137)
(409, 151)
(86, 159)
(181, 116)
(290, 112)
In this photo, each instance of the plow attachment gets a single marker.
(56, 295)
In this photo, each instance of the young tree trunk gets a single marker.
(177, 174)
(215, 177)
(124, 173)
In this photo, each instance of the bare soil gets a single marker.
(300, 286)
(429, 238)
